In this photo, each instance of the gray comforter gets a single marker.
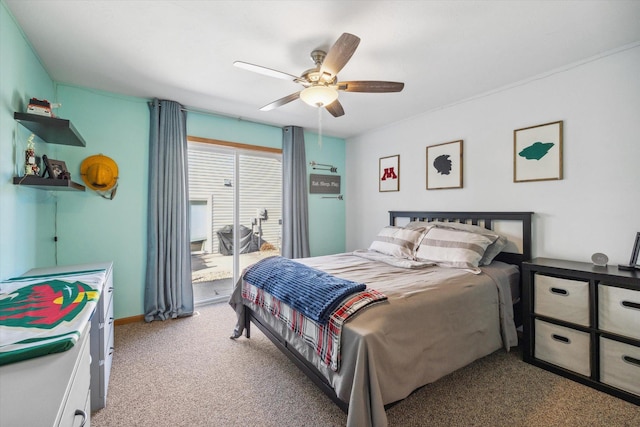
(436, 320)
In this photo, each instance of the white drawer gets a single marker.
(562, 299)
(106, 333)
(619, 310)
(87, 410)
(74, 408)
(101, 371)
(565, 347)
(620, 365)
(106, 298)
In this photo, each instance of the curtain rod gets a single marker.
(213, 113)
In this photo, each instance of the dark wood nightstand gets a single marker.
(583, 322)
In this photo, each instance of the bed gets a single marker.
(435, 319)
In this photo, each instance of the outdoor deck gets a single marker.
(212, 274)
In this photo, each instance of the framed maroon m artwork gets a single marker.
(389, 173)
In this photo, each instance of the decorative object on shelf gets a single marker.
(444, 165)
(56, 169)
(324, 184)
(635, 252)
(599, 259)
(100, 173)
(30, 159)
(389, 173)
(537, 153)
(324, 167)
(41, 107)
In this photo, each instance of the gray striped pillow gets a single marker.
(397, 241)
(454, 248)
(493, 249)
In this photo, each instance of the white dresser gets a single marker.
(49, 390)
(101, 329)
(583, 322)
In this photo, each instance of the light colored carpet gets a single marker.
(187, 372)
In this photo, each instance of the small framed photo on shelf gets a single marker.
(56, 169)
(444, 165)
(537, 153)
(389, 173)
(635, 252)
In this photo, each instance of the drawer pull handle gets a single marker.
(83, 414)
(631, 304)
(631, 360)
(559, 291)
(561, 338)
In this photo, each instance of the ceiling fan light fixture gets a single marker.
(319, 95)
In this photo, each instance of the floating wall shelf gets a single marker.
(53, 131)
(50, 129)
(47, 183)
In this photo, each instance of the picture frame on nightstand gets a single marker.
(633, 261)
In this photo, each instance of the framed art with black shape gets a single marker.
(537, 153)
(444, 165)
(389, 173)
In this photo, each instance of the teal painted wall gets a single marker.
(210, 126)
(90, 228)
(94, 229)
(327, 217)
(26, 215)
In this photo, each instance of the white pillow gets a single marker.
(399, 242)
(492, 251)
(454, 248)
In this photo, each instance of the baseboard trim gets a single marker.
(132, 319)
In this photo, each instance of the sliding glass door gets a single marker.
(235, 195)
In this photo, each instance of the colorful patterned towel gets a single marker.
(324, 339)
(312, 292)
(40, 315)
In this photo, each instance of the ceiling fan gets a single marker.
(321, 83)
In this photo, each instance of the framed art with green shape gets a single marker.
(537, 153)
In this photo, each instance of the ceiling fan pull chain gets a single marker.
(319, 127)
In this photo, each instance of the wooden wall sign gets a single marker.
(324, 184)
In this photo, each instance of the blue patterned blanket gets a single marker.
(312, 292)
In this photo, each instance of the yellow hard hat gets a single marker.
(99, 172)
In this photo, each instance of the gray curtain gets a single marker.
(168, 288)
(295, 210)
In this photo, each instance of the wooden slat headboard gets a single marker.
(483, 219)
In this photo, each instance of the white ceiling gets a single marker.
(444, 51)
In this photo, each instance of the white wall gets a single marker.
(595, 208)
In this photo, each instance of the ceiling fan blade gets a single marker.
(266, 71)
(371, 86)
(280, 102)
(339, 54)
(335, 108)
